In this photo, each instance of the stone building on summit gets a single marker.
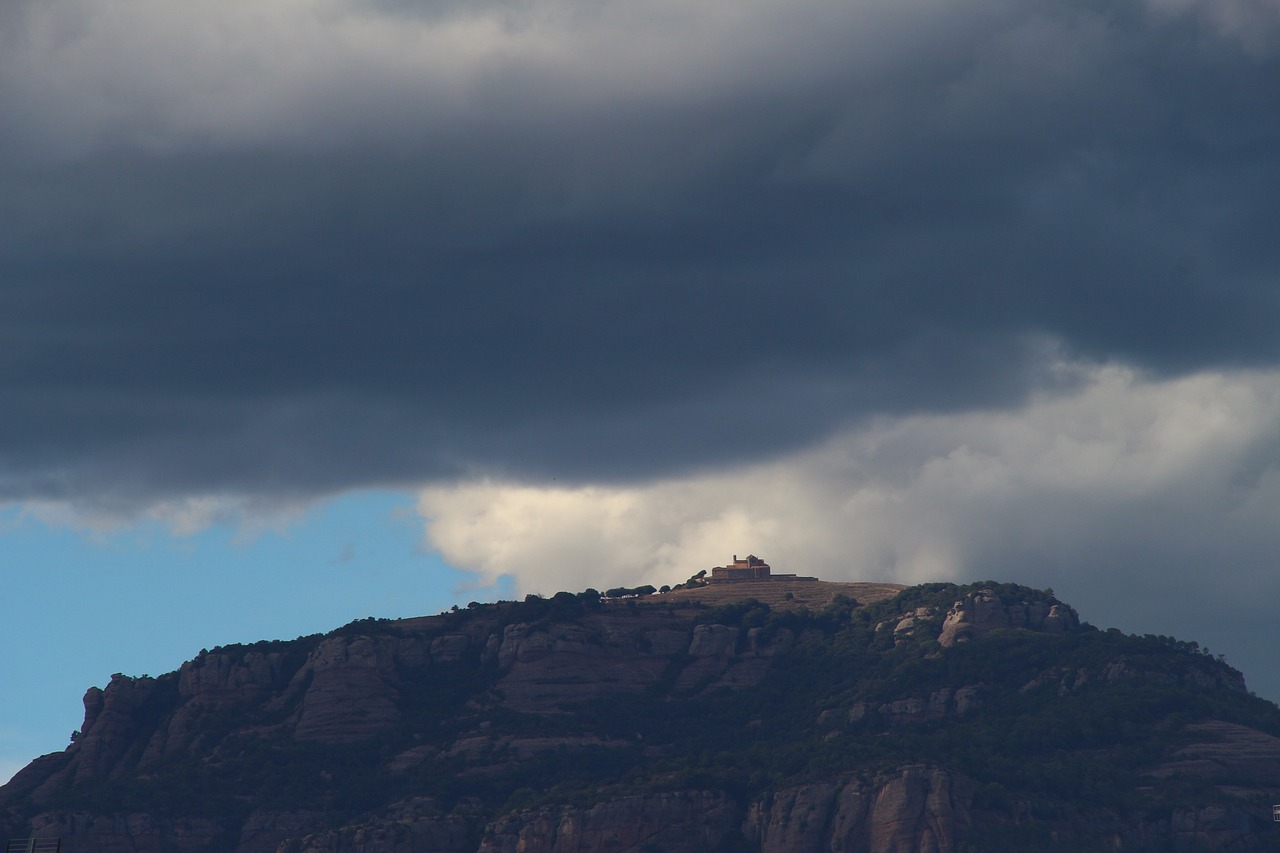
(751, 569)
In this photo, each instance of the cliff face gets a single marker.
(941, 718)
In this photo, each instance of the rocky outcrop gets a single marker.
(919, 809)
(546, 667)
(939, 704)
(797, 819)
(211, 683)
(1227, 754)
(132, 833)
(109, 741)
(412, 826)
(350, 693)
(1070, 679)
(683, 822)
(915, 808)
(112, 713)
(712, 649)
(266, 830)
(982, 612)
(1123, 669)
(1217, 827)
(907, 624)
(220, 680)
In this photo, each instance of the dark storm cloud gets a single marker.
(358, 243)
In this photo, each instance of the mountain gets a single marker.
(781, 717)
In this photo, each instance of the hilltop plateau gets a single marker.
(779, 594)
(784, 716)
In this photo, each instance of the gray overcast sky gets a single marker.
(268, 252)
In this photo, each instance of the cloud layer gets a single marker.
(285, 249)
(904, 290)
(1150, 505)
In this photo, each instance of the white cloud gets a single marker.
(155, 75)
(1148, 504)
(911, 498)
(571, 538)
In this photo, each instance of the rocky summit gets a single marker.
(780, 717)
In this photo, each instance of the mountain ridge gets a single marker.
(936, 717)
